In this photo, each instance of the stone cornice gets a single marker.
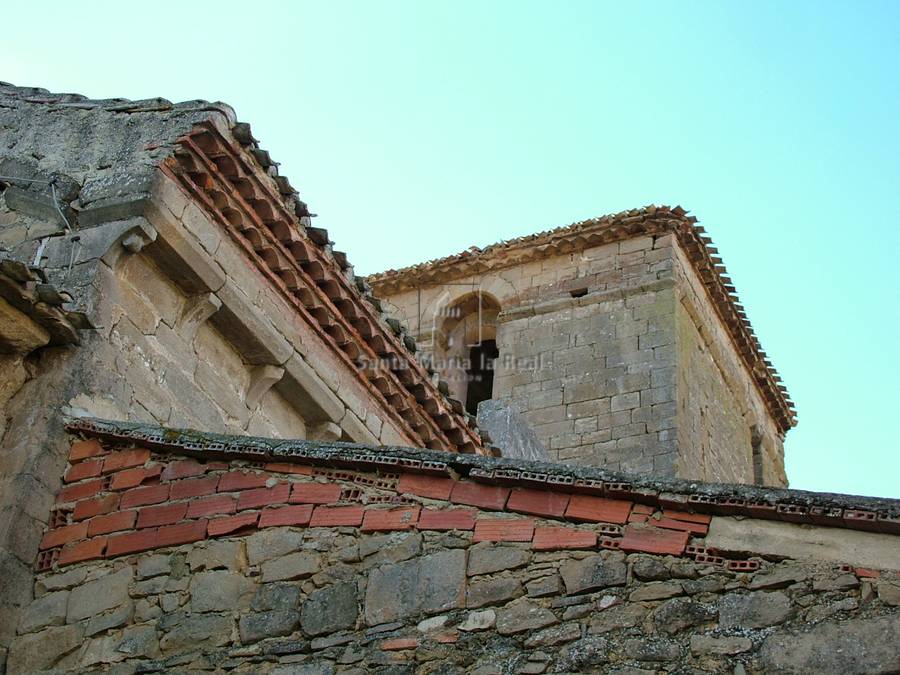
(234, 189)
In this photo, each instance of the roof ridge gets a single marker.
(650, 210)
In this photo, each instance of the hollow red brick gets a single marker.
(503, 529)
(222, 526)
(558, 538)
(538, 502)
(686, 526)
(143, 496)
(701, 518)
(90, 549)
(83, 490)
(425, 486)
(112, 522)
(194, 487)
(131, 542)
(185, 468)
(483, 496)
(284, 467)
(315, 493)
(598, 509)
(866, 573)
(87, 469)
(397, 644)
(386, 520)
(447, 519)
(125, 459)
(211, 506)
(286, 515)
(646, 539)
(255, 499)
(84, 449)
(165, 514)
(183, 533)
(337, 516)
(242, 480)
(64, 535)
(88, 508)
(129, 478)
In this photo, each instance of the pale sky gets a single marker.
(416, 130)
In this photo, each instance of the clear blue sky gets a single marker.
(418, 129)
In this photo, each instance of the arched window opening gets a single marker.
(465, 347)
(481, 374)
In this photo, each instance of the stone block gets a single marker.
(257, 626)
(857, 646)
(430, 584)
(38, 652)
(592, 574)
(616, 617)
(220, 591)
(478, 621)
(707, 645)
(656, 591)
(330, 609)
(493, 591)
(679, 614)
(759, 609)
(47, 610)
(544, 586)
(292, 566)
(99, 595)
(523, 615)
(269, 544)
(184, 632)
(277, 596)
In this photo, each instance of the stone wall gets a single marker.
(721, 415)
(188, 334)
(615, 355)
(309, 569)
(586, 346)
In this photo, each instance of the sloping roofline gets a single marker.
(217, 162)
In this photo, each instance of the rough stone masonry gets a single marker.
(155, 267)
(619, 340)
(310, 558)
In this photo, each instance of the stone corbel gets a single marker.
(262, 378)
(325, 431)
(131, 240)
(108, 242)
(197, 311)
(302, 387)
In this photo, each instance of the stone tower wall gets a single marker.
(721, 415)
(635, 373)
(592, 374)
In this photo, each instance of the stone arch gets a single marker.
(465, 334)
